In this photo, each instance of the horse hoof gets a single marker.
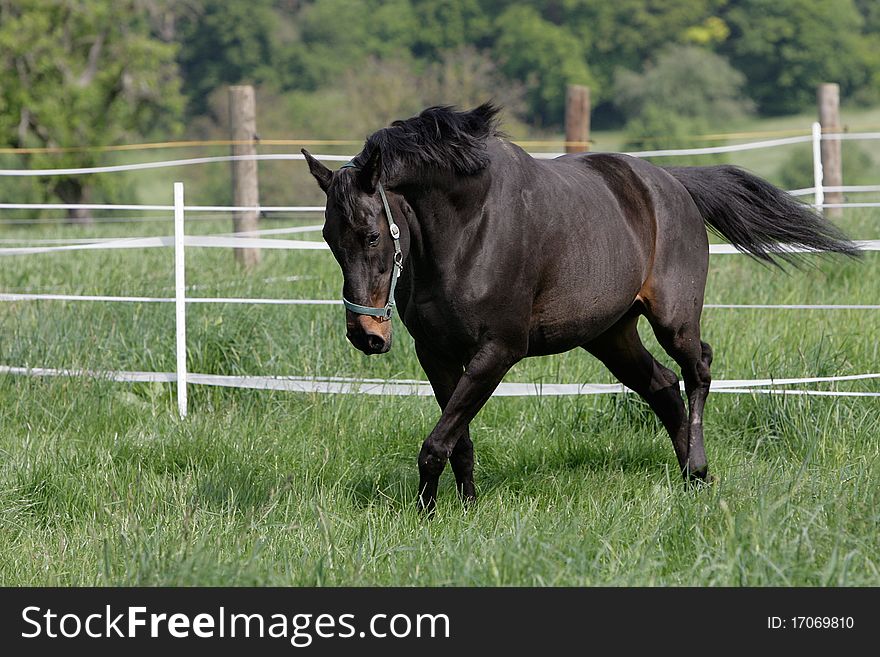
(467, 495)
(699, 478)
(427, 507)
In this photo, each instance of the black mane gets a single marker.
(440, 137)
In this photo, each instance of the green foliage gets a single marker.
(376, 92)
(343, 67)
(226, 43)
(626, 33)
(783, 48)
(787, 47)
(82, 74)
(542, 56)
(710, 31)
(450, 24)
(687, 91)
(688, 81)
(336, 35)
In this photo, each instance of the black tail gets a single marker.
(757, 217)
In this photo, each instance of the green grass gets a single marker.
(101, 484)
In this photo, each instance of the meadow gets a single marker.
(102, 484)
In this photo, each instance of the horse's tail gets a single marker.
(758, 218)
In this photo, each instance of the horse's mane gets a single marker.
(440, 137)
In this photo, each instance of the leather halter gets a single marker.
(382, 314)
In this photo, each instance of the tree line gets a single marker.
(90, 72)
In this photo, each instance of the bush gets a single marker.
(687, 81)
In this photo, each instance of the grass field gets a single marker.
(101, 484)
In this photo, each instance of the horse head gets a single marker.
(360, 229)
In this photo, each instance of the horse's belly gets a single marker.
(569, 319)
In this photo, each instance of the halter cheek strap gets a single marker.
(382, 314)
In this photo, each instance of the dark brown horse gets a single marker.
(502, 256)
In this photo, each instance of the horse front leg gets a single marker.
(444, 374)
(479, 380)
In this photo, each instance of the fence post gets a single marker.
(180, 298)
(577, 118)
(245, 188)
(818, 181)
(828, 97)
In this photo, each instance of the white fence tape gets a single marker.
(102, 240)
(62, 240)
(341, 385)
(314, 228)
(69, 241)
(156, 208)
(84, 206)
(11, 296)
(803, 393)
(730, 249)
(849, 205)
(836, 136)
(64, 222)
(164, 164)
(224, 241)
(210, 241)
(706, 150)
(254, 208)
(793, 306)
(858, 189)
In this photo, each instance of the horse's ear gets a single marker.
(368, 175)
(321, 173)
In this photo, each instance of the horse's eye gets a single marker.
(373, 238)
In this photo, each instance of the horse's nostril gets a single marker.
(375, 342)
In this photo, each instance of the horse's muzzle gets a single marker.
(368, 334)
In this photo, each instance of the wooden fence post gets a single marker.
(828, 97)
(245, 187)
(577, 118)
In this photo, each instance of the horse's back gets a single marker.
(601, 221)
(656, 207)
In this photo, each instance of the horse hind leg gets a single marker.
(621, 350)
(679, 335)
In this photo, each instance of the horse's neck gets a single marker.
(444, 206)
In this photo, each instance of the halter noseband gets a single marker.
(382, 314)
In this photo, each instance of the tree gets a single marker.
(787, 47)
(445, 25)
(686, 92)
(688, 81)
(627, 33)
(224, 43)
(542, 56)
(466, 77)
(80, 74)
(334, 36)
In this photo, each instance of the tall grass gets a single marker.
(100, 483)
